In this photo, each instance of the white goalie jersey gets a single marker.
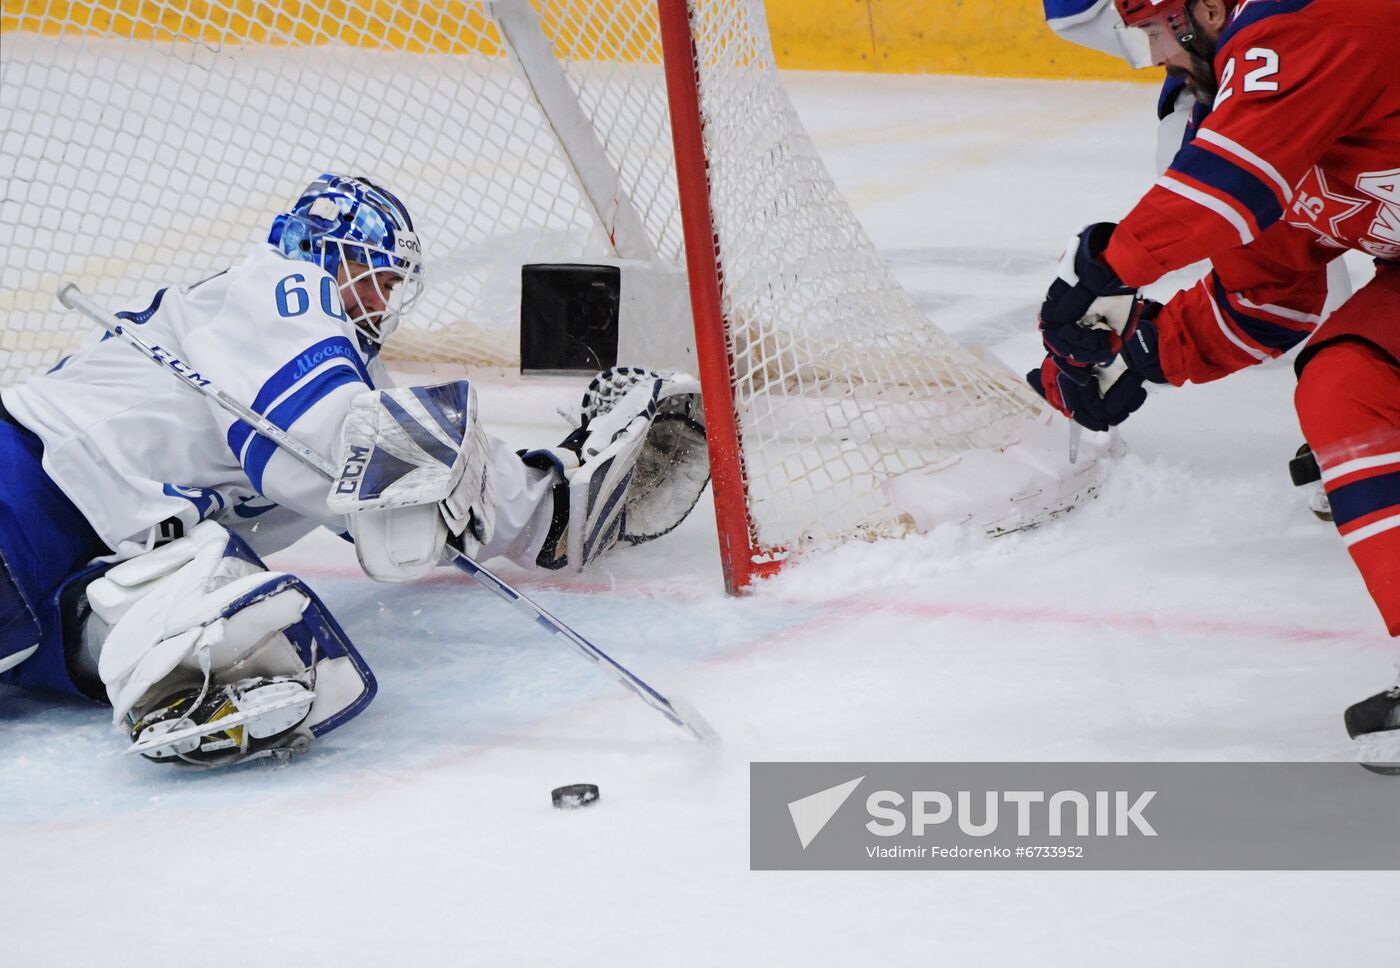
(144, 458)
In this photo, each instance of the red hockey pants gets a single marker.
(1348, 402)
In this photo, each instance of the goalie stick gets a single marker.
(686, 717)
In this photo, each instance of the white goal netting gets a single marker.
(149, 142)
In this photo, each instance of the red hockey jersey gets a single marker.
(1298, 160)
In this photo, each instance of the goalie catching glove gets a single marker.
(632, 471)
(415, 475)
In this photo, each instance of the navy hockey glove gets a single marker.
(1077, 393)
(1083, 277)
(1140, 341)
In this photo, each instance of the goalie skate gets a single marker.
(243, 720)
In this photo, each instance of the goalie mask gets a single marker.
(363, 236)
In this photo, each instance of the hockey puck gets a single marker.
(575, 795)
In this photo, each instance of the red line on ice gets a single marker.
(1124, 620)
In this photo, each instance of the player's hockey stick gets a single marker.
(690, 721)
(1107, 375)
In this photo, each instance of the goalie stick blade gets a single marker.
(199, 730)
(693, 723)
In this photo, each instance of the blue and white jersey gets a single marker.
(1089, 23)
(1096, 24)
(134, 448)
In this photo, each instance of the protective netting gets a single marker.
(149, 142)
(841, 384)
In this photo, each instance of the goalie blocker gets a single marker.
(415, 472)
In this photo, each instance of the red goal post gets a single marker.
(742, 561)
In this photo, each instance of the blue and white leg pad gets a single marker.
(204, 611)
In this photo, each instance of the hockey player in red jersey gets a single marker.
(1298, 160)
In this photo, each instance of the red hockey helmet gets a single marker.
(1172, 16)
(1140, 13)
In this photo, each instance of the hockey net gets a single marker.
(150, 141)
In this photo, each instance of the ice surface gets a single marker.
(1194, 611)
